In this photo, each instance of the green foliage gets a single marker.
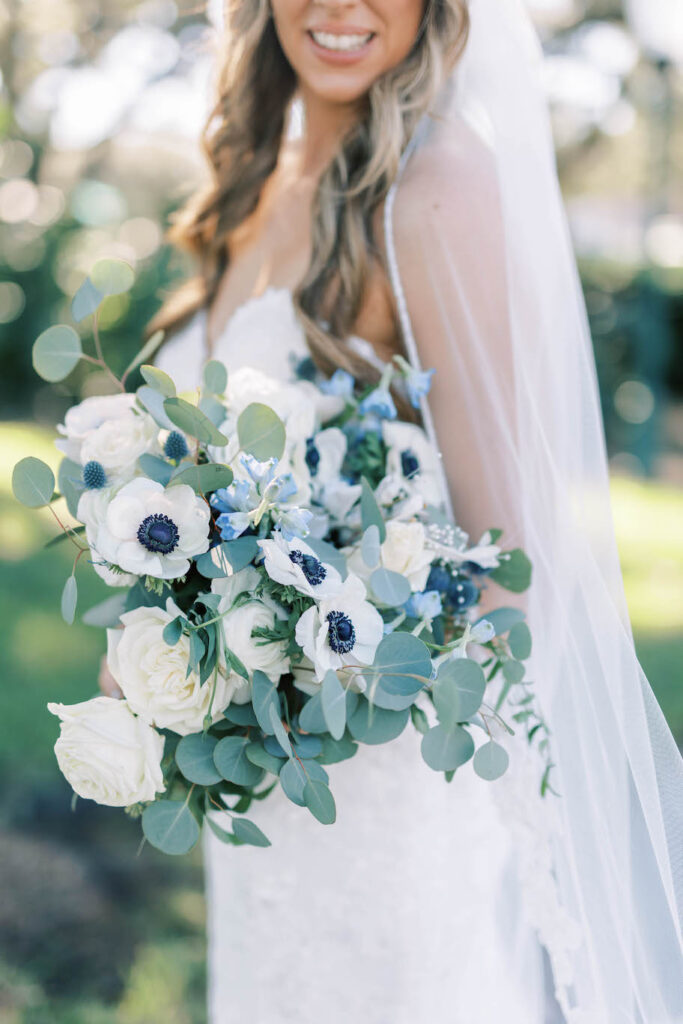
(56, 352)
(86, 301)
(370, 546)
(69, 600)
(294, 775)
(204, 478)
(215, 377)
(491, 761)
(390, 588)
(519, 641)
(112, 277)
(194, 757)
(375, 725)
(320, 802)
(230, 758)
(503, 619)
(403, 663)
(458, 691)
(333, 703)
(446, 748)
(514, 571)
(173, 631)
(265, 702)
(156, 468)
(158, 380)
(33, 482)
(249, 833)
(261, 432)
(371, 514)
(170, 826)
(193, 422)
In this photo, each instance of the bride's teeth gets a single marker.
(335, 42)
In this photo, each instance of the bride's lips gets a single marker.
(331, 56)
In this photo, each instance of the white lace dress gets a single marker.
(407, 911)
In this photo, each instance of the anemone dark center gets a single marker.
(159, 534)
(314, 571)
(312, 456)
(341, 634)
(410, 464)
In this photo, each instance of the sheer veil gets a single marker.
(487, 288)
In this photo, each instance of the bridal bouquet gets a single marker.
(287, 590)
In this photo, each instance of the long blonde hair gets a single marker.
(242, 141)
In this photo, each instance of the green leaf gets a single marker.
(370, 510)
(249, 833)
(503, 619)
(192, 421)
(240, 714)
(156, 468)
(170, 826)
(420, 720)
(33, 482)
(264, 698)
(458, 691)
(320, 802)
(158, 380)
(56, 352)
(194, 757)
(390, 588)
(173, 631)
(519, 640)
(214, 409)
(221, 833)
(311, 717)
(491, 761)
(370, 546)
(85, 301)
(514, 571)
(107, 613)
(261, 432)
(295, 774)
(445, 749)
(375, 725)
(215, 377)
(258, 754)
(112, 277)
(335, 751)
(69, 600)
(197, 651)
(153, 402)
(69, 476)
(236, 665)
(399, 657)
(333, 700)
(230, 758)
(278, 729)
(205, 478)
(146, 352)
(513, 671)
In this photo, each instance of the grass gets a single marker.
(95, 935)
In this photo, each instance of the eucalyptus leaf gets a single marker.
(258, 755)
(56, 352)
(156, 468)
(458, 691)
(85, 301)
(278, 729)
(249, 833)
(230, 758)
(503, 619)
(173, 631)
(375, 725)
(333, 700)
(33, 482)
(390, 588)
(192, 421)
(295, 774)
(264, 699)
(445, 749)
(69, 600)
(170, 826)
(146, 352)
(194, 757)
(158, 380)
(370, 546)
(419, 719)
(153, 402)
(215, 377)
(221, 833)
(69, 481)
(112, 277)
(214, 409)
(311, 717)
(204, 478)
(519, 640)
(399, 658)
(261, 432)
(320, 802)
(240, 714)
(513, 671)
(514, 571)
(370, 510)
(305, 745)
(107, 613)
(491, 761)
(335, 751)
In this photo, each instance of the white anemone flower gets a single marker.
(341, 630)
(294, 564)
(412, 465)
(154, 531)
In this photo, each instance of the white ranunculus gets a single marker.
(107, 754)
(239, 622)
(92, 512)
(153, 676)
(412, 464)
(154, 531)
(404, 551)
(294, 564)
(341, 630)
(118, 444)
(83, 419)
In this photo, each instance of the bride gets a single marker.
(382, 182)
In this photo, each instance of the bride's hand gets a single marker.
(106, 681)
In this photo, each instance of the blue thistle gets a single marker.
(176, 446)
(94, 476)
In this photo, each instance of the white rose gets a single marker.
(239, 622)
(117, 444)
(82, 419)
(154, 531)
(153, 676)
(107, 754)
(404, 551)
(341, 630)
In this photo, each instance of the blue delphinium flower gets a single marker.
(245, 502)
(380, 403)
(340, 384)
(426, 605)
(418, 384)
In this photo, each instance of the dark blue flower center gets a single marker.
(159, 534)
(341, 634)
(312, 456)
(410, 464)
(314, 571)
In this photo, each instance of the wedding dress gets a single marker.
(428, 903)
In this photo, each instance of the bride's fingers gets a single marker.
(107, 683)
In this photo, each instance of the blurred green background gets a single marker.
(101, 102)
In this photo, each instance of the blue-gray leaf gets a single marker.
(194, 757)
(320, 802)
(400, 658)
(446, 749)
(249, 833)
(85, 301)
(33, 482)
(264, 699)
(491, 761)
(458, 691)
(230, 758)
(370, 510)
(390, 588)
(375, 725)
(333, 699)
(261, 432)
(69, 600)
(56, 352)
(170, 826)
(519, 640)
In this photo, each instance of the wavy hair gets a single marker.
(242, 140)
